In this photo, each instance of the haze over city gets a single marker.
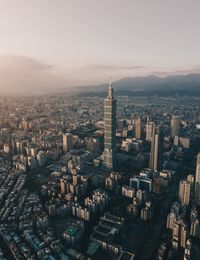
(99, 130)
(49, 45)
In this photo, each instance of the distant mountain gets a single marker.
(150, 85)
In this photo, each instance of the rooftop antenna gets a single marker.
(110, 89)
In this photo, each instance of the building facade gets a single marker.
(184, 192)
(175, 125)
(197, 181)
(149, 130)
(109, 155)
(67, 142)
(155, 162)
(138, 129)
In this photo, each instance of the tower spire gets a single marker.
(110, 90)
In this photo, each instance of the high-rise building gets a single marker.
(147, 211)
(197, 181)
(194, 223)
(184, 192)
(175, 125)
(188, 250)
(41, 156)
(26, 125)
(149, 130)
(6, 148)
(138, 129)
(63, 186)
(155, 162)
(171, 218)
(109, 155)
(67, 142)
(195, 228)
(191, 179)
(179, 234)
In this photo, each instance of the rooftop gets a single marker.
(71, 230)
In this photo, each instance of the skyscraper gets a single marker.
(149, 130)
(175, 125)
(67, 142)
(155, 162)
(138, 129)
(197, 181)
(109, 155)
(179, 234)
(184, 192)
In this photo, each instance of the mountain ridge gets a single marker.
(169, 84)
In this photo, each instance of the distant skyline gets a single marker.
(53, 44)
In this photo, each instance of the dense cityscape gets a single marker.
(99, 130)
(99, 178)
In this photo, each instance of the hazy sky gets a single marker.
(60, 43)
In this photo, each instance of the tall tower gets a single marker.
(175, 125)
(109, 155)
(155, 162)
(197, 181)
(67, 142)
(149, 130)
(138, 129)
(184, 192)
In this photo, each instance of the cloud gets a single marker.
(22, 62)
(101, 72)
(182, 71)
(195, 69)
(25, 75)
(110, 67)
